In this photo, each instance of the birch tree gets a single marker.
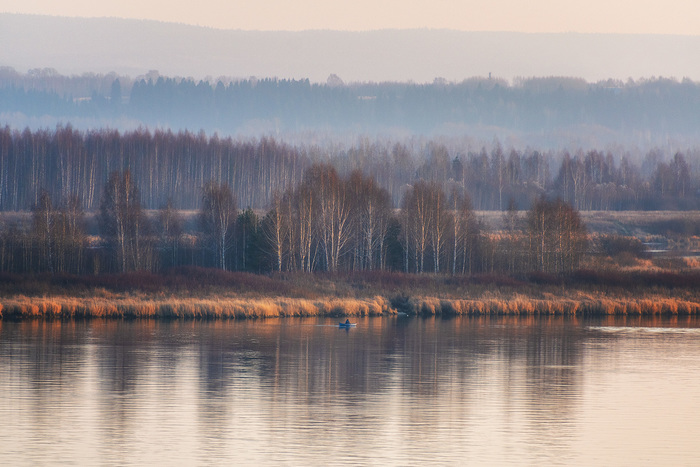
(274, 229)
(43, 220)
(333, 212)
(417, 218)
(217, 217)
(557, 235)
(122, 221)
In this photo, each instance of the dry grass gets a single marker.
(570, 306)
(579, 304)
(202, 294)
(22, 307)
(692, 262)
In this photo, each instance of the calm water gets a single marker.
(402, 391)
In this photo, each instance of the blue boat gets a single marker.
(347, 324)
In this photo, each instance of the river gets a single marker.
(392, 391)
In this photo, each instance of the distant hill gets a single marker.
(552, 112)
(133, 47)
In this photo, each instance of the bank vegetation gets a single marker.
(331, 240)
(198, 293)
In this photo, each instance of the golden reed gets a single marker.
(21, 307)
(556, 306)
(60, 307)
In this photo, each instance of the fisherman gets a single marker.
(347, 321)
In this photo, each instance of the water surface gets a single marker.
(395, 391)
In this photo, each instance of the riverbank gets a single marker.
(146, 307)
(210, 294)
(23, 307)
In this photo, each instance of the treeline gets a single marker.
(173, 168)
(639, 109)
(48, 81)
(166, 167)
(326, 222)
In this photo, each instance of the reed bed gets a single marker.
(582, 306)
(124, 307)
(23, 307)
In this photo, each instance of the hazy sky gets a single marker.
(585, 16)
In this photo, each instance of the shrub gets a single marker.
(614, 245)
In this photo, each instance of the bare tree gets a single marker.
(333, 212)
(44, 229)
(498, 169)
(417, 219)
(511, 238)
(465, 232)
(371, 210)
(217, 217)
(73, 230)
(170, 232)
(303, 217)
(558, 237)
(122, 220)
(439, 224)
(275, 230)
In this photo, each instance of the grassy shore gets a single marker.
(209, 294)
(22, 307)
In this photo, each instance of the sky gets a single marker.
(532, 16)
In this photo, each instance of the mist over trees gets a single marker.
(392, 203)
(325, 223)
(337, 215)
(173, 168)
(408, 207)
(164, 166)
(550, 112)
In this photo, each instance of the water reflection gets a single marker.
(398, 390)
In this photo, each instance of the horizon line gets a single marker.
(352, 31)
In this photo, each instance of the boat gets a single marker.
(347, 325)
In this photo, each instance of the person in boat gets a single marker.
(347, 321)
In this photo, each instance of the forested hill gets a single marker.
(65, 70)
(548, 113)
(132, 47)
